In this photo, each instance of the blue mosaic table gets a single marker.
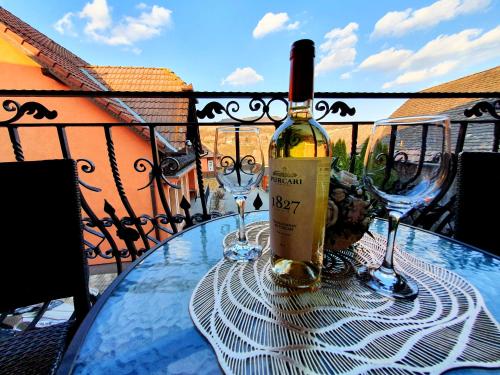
(142, 325)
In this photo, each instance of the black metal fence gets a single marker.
(135, 232)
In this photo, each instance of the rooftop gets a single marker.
(121, 78)
(487, 80)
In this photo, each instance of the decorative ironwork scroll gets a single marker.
(262, 109)
(127, 234)
(338, 107)
(99, 241)
(121, 192)
(229, 165)
(96, 239)
(484, 107)
(86, 166)
(168, 165)
(256, 105)
(35, 109)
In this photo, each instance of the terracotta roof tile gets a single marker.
(150, 109)
(488, 80)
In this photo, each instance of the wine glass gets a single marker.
(406, 166)
(239, 167)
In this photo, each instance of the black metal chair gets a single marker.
(41, 258)
(478, 202)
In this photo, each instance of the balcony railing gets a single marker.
(117, 230)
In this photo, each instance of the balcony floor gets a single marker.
(60, 310)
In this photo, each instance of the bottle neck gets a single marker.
(301, 88)
(303, 110)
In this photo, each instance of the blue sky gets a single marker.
(244, 45)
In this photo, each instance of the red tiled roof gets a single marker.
(72, 70)
(150, 109)
(487, 80)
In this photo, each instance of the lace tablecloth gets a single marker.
(256, 326)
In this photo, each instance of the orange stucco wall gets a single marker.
(204, 164)
(193, 186)
(18, 71)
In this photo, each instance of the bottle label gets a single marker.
(298, 204)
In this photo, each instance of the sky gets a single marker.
(233, 45)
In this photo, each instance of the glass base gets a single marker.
(388, 283)
(242, 252)
(295, 274)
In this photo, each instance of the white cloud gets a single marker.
(273, 22)
(242, 76)
(339, 48)
(98, 14)
(388, 59)
(347, 75)
(398, 23)
(467, 47)
(100, 27)
(65, 25)
(134, 29)
(415, 76)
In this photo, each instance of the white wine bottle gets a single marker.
(299, 177)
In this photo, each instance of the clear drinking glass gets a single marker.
(239, 167)
(407, 164)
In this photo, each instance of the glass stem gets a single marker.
(394, 218)
(240, 202)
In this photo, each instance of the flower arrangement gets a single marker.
(350, 210)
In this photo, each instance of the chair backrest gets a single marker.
(478, 200)
(41, 241)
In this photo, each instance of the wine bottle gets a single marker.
(299, 176)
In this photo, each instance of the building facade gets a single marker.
(31, 60)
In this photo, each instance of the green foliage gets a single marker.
(342, 157)
(339, 152)
(342, 160)
(360, 158)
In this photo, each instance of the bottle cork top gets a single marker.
(302, 46)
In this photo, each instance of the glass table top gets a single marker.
(144, 327)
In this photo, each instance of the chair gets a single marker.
(478, 202)
(41, 258)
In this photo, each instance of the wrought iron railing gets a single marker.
(136, 232)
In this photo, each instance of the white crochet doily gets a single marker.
(257, 327)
